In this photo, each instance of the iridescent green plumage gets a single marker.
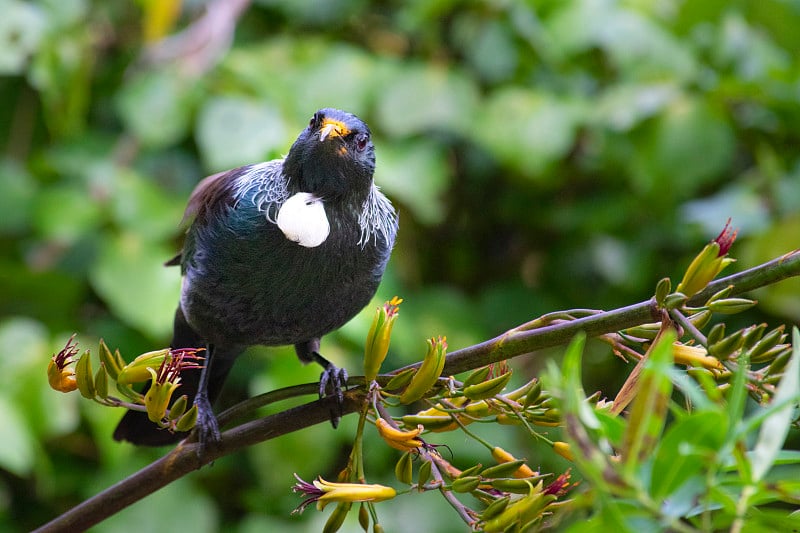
(246, 283)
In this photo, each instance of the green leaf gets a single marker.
(65, 213)
(775, 428)
(138, 205)
(624, 106)
(337, 75)
(634, 43)
(157, 106)
(17, 192)
(761, 520)
(691, 131)
(649, 408)
(416, 174)
(737, 395)
(612, 427)
(590, 448)
(233, 131)
(686, 449)
(528, 130)
(17, 445)
(423, 98)
(573, 395)
(131, 277)
(488, 45)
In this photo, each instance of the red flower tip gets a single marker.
(725, 238)
(65, 356)
(559, 486)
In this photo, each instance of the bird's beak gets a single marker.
(332, 128)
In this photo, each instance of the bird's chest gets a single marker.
(252, 283)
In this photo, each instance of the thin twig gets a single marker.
(448, 495)
(687, 325)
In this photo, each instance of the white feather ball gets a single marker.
(302, 219)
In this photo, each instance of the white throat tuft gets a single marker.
(302, 219)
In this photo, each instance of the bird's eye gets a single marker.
(361, 141)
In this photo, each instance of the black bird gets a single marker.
(277, 253)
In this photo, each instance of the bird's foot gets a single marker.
(333, 382)
(207, 427)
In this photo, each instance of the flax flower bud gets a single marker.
(59, 374)
(323, 492)
(377, 345)
(708, 263)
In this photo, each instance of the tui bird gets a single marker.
(277, 253)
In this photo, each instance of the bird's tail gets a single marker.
(136, 428)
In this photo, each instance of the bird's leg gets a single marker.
(207, 427)
(332, 377)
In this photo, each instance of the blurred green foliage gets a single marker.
(544, 154)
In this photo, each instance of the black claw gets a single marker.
(207, 427)
(335, 379)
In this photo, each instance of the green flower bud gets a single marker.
(766, 343)
(726, 346)
(663, 288)
(708, 263)
(178, 408)
(716, 334)
(730, 306)
(424, 474)
(188, 420)
(377, 345)
(471, 471)
(429, 371)
(101, 382)
(336, 519)
(113, 362)
(487, 389)
(401, 379)
(478, 376)
(137, 370)
(465, 484)
(403, 469)
(83, 376)
(495, 508)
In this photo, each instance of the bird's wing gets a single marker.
(264, 181)
(212, 193)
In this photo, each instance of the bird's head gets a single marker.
(333, 157)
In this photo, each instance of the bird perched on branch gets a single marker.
(277, 253)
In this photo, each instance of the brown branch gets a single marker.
(183, 459)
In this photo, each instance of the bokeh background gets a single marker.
(544, 155)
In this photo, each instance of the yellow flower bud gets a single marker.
(158, 396)
(59, 375)
(377, 345)
(324, 492)
(137, 370)
(502, 456)
(708, 263)
(429, 371)
(695, 356)
(563, 449)
(62, 380)
(399, 439)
